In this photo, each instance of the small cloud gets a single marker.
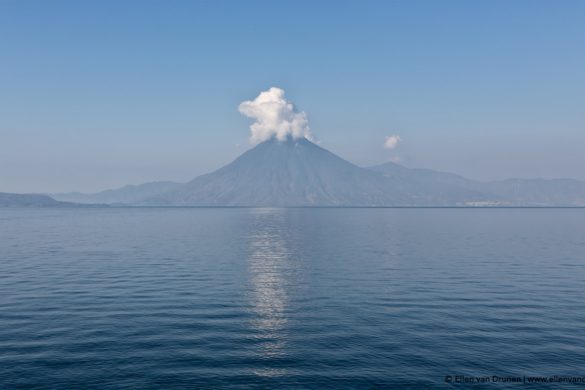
(392, 141)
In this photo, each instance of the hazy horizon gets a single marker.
(101, 95)
(249, 147)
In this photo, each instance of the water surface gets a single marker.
(290, 298)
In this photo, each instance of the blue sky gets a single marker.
(98, 94)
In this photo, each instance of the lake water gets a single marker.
(289, 298)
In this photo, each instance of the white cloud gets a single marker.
(274, 116)
(391, 142)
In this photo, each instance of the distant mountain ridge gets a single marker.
(509, 192)
(30, 200)
(125, 195)
(300, 173)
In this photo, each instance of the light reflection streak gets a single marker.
(269, 264)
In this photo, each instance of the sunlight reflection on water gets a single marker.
(268, 262)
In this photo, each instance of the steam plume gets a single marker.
(274, 116)
(392, 141)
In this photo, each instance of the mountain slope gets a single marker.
(29, 200)
(510, 192)
(440, 188)
(128, 194)
(394, 170)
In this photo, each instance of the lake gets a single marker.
(290, 298)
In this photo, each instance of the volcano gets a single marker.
(297, 172)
